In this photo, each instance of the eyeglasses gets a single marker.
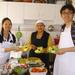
(67, 13)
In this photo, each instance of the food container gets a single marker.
(13, 62)
(21, 69)
(39, 72)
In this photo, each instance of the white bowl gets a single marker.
(38, 73)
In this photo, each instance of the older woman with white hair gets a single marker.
(40, 38)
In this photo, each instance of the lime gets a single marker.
(18, 35)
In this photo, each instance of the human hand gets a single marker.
(18, 49)
(45, 50)
(33, 47)
(61, 51)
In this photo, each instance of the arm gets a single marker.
(33, 47)
(50, 43)
(12, 49)
(64, 50)
(70, 49)
(8, 49)
(5, 49)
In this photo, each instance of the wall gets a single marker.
(26, 14)
(19, 11)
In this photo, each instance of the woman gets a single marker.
(64, 62)
(7, 39)
(40, 38)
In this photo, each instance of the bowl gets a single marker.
(38, 71)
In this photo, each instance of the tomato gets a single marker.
(34, 70)
(38, 70)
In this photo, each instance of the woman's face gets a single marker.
(67, 15)
(40, 27)
(7, 25)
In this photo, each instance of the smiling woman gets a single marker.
(40, 39)
(7, 39)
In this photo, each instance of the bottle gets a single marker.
(18, 36)
(56, 39)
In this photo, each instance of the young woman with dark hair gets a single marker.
(7, 39)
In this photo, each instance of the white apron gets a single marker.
(65, 64)
(5, 55)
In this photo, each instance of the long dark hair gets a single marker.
(4, 19)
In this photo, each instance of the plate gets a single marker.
(37, 65)
(35, 62)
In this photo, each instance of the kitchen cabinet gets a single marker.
(3, 10)
(47, 11)
(31, 11)
(39, 11)
(20, 11)
(15, 12)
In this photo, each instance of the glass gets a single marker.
(25, 54)
(67, 13)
